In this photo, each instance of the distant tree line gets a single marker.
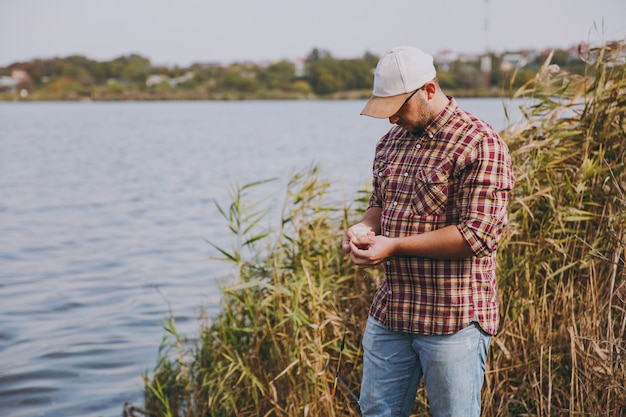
(318, 75)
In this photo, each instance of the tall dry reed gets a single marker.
(561, 349)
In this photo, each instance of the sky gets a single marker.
(182, 32)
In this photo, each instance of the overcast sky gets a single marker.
(180, 32)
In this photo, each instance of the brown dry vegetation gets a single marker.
(561, 350)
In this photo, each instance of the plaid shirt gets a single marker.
(458, 172)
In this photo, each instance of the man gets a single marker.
(435, 216)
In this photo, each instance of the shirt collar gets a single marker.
(441, 119)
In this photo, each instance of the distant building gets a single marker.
(157, 79)
(511, 61)
(19, 79)
(445, 58)
(300, 67)
(188, 76)
(8, 83)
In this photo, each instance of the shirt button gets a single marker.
(380, 174)
(388, 263)
(389, 292)
(418, 146)
(430, 135)
(395, 203)
(406, 174)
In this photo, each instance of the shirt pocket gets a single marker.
(431, 190)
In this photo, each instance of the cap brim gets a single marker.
(384, 107)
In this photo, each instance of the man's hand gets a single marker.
(354, 234)
(370, 250)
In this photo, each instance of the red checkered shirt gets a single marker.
(458, 172)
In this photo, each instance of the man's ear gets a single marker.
(430, 88)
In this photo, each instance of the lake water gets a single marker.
(105, 209)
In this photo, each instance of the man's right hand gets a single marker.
(353, 234)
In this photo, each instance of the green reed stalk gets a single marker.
(274, 347)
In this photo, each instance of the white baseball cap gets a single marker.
(399, 72)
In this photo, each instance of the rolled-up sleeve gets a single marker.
(487, 179)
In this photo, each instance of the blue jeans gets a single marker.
(453, 367)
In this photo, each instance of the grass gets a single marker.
(273, 350)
